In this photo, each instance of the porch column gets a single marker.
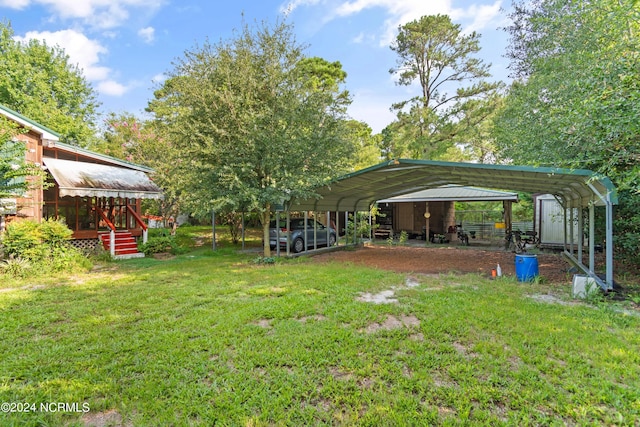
(112, 242)
(427, 225)
(449, 219)
(506, 206)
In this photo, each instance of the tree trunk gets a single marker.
(266, 217)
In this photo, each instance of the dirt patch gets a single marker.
(384, 297)
(316, 317)
(392, 322)
(442, 260)
(263, 323)
(103, 419)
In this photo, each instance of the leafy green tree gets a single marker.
(367, 146)
(577, 96)
(576, 101)
(252, 131)
(477, 142)
(14, 170)
(319, 75)
(127, 137)
(38, 82)
(434, 52)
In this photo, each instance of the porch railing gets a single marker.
(112, 231)
(140, 222)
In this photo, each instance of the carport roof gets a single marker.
(454, 193)
(358, 190)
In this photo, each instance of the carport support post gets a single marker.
(580, 231)
(328, 226)
(337, 227)
(609, 242)
(564, 224)
(305, 234)
(288, 233)
(346, 228)
(213, 229)
(355, 227)
(278, 233)
(592, 234)
(315, 231)
(572, 237)
(242, 230)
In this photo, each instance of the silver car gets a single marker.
(296, 233)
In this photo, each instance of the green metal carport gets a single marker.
(573, 188)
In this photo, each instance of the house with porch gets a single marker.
(98, 196)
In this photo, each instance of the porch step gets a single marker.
(125, 244)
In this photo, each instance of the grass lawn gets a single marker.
(213, 338)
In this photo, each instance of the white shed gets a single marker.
(550, 222)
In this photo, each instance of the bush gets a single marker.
(15, 267)
(23, 239)
(160, 244)
(627, 227)
(28, 244)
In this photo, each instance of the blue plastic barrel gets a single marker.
(526, 267)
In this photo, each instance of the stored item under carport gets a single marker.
(526, 267)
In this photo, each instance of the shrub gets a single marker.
(404, 236)
(22, 239)
(27, 243)
(55, 233)
(159, 244)
(15, 267)
(264, 260)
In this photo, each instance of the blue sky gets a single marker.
(124, 47)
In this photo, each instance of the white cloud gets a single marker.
(290, 6)
(483, 16)
(147, 34)
(83, 52)
(111, 88)
(159, 78)
(14, 4)
(103, 14)
(400, 12)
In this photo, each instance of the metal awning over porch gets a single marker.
(75, 178)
